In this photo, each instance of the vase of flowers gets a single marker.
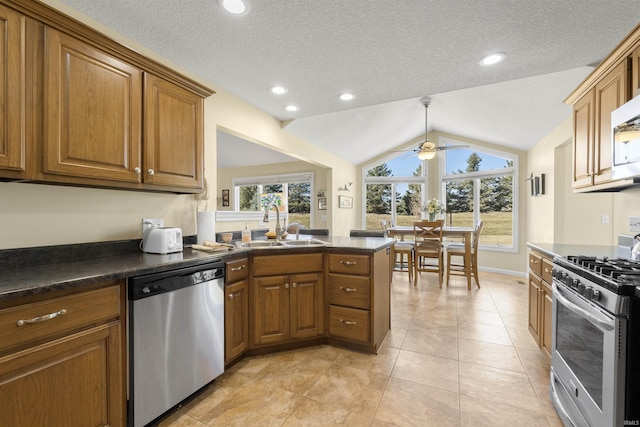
(432, 208)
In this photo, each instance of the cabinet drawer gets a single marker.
(547, 265)
(535, 263)
(349, 323)
(349, 264)
(80, 310)
(350, 291)
(237, 270)
(286, 264)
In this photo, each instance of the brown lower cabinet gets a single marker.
(65, 371)
(236, 309)
(287, 306)
(540, 300)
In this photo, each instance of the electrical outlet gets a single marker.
(604, 219)
(152, 223)
(634, 223)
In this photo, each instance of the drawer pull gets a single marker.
(348, 262)
(230, 296)
(42, 318)
(546, 269)
(242, 267)
(348, 322)
(342, 288)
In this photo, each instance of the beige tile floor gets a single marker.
(453, 358)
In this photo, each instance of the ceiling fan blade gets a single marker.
(452, 147)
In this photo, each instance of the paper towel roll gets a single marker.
(206, 226)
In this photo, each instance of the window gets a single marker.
(294, 192)
(395, 197)
(480, 184)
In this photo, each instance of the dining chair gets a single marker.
(457, 249)
(428, 254)
(403, 249)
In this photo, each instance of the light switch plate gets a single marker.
(152, 223)
(634, 223)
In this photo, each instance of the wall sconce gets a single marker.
(346, 187)
(537, 184)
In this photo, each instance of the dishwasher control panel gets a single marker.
(159, 283)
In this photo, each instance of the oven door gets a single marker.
(587, 359)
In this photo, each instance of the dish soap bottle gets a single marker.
(246, 233)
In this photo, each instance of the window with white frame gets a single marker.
(481, 184)
(291, 191)
(394, 192)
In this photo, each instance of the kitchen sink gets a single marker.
(306, 242)
(260, 244)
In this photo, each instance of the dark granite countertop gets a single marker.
(563, 250)
(26, 272)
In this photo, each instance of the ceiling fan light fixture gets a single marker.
(426, 155)
(492, 59)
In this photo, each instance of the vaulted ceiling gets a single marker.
(389, 54)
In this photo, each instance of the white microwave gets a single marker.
(625, 128)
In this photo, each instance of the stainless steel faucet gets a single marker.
(279, 229)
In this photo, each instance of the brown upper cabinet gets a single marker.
(100, 114)
(609, 86)
(12, 87)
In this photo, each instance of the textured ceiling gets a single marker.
(390, 54)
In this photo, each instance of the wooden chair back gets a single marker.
(427, 233)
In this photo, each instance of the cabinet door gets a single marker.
(236, 319)
(534, 307)
(173, 129)
(12, 86)
(307, 306)
(547, 315)
(72, 381)
(635, 73)
(583, 131)
(92, 114)
(271, 309)
(611, 93)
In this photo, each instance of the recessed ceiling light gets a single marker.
(236, 7)
(492, 59)
(279, 90)
(347, 96)
(292, 108)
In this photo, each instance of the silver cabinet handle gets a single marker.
(230, 296)
(42, 318)
(238, 268)
(286, 286)
(348, 262)
(348, 322)
(151, 172)
(546, 269)
(137, 170)
(342, 288)
(295, 284)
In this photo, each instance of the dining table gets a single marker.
(399, 232)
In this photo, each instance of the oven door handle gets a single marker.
(602, 323)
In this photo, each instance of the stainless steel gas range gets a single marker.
(595, 375)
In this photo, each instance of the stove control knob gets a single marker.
(592, 294)
(581, 288)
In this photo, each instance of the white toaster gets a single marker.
(162, 240)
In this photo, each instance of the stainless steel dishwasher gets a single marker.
(176, 337)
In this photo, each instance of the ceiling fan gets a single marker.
(427, 150)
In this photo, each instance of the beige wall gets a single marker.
(563, 216)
